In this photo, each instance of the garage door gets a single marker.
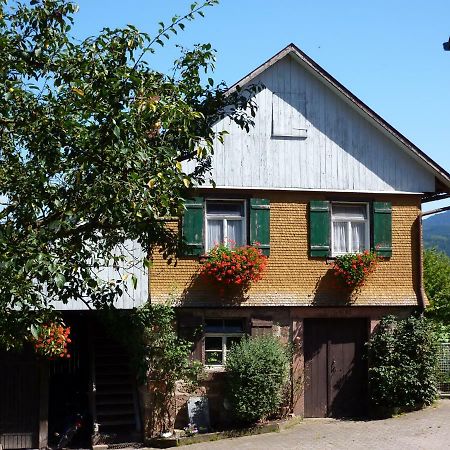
(335, 368)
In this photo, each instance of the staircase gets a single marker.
(115, 403)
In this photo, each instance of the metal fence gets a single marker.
(444, 368)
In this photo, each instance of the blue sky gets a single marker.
(388, 53)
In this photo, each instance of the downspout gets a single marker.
(421, 295)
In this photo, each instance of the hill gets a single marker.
(436, 232)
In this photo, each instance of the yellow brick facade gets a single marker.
(292, 277)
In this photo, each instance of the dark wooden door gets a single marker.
(19, 400)
(335, 368)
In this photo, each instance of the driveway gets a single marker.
(427, 429)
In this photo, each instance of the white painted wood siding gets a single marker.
(131, 297)
(342, 150)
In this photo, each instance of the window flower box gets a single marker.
(238, 266)
(353, 269)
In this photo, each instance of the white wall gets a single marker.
(342, 150)
(131, 297)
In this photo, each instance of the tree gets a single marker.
(437, 285)
(92, 142)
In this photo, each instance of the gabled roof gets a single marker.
(292, 50)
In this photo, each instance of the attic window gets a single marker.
(288, 115)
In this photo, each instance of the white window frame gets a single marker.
(225, 218)
(224, 335)
(348, 220)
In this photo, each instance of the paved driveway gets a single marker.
(428, 429)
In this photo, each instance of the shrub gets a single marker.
(402, 363)
(257, 371)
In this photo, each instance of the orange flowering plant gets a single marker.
(354, 268)
(51, 340)
(234, 266)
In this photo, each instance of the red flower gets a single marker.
(234, 266)
(52, 340)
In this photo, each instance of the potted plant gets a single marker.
(51, 340)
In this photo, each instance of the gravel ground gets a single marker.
(428, 429)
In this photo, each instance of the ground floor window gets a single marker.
(220, 335)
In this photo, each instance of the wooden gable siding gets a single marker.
(342, 149)
(130, 298)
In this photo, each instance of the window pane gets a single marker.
(235, 235)
(340, 244)
(215, 232)
(231, 340)
(231, 209)
(234, 325)
(213, 325)
(213, 343)
(358, 237)
(351, 212)
(214, 358)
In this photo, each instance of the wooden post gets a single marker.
(298, 374)
(43, 405)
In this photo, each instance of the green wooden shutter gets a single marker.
(260, 223)
(319, 228)
(193, 227)
(382, 228)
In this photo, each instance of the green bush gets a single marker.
(402, 363)
(257, 371)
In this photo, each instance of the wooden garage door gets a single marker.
(19, 401)
(335, 368)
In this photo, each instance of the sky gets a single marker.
(387, 52)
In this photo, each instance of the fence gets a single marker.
(444, 368)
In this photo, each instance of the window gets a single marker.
(225, 222)
(220, 335)
(349, 228)
(336, 228)
(207, 222)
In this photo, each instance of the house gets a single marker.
(320, 174)
(40, 398)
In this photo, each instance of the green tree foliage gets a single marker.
(257, 371)
(402, 363)
(436, 232)
(437, 285)
(92, 142)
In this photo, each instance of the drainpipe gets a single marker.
(421, 295)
